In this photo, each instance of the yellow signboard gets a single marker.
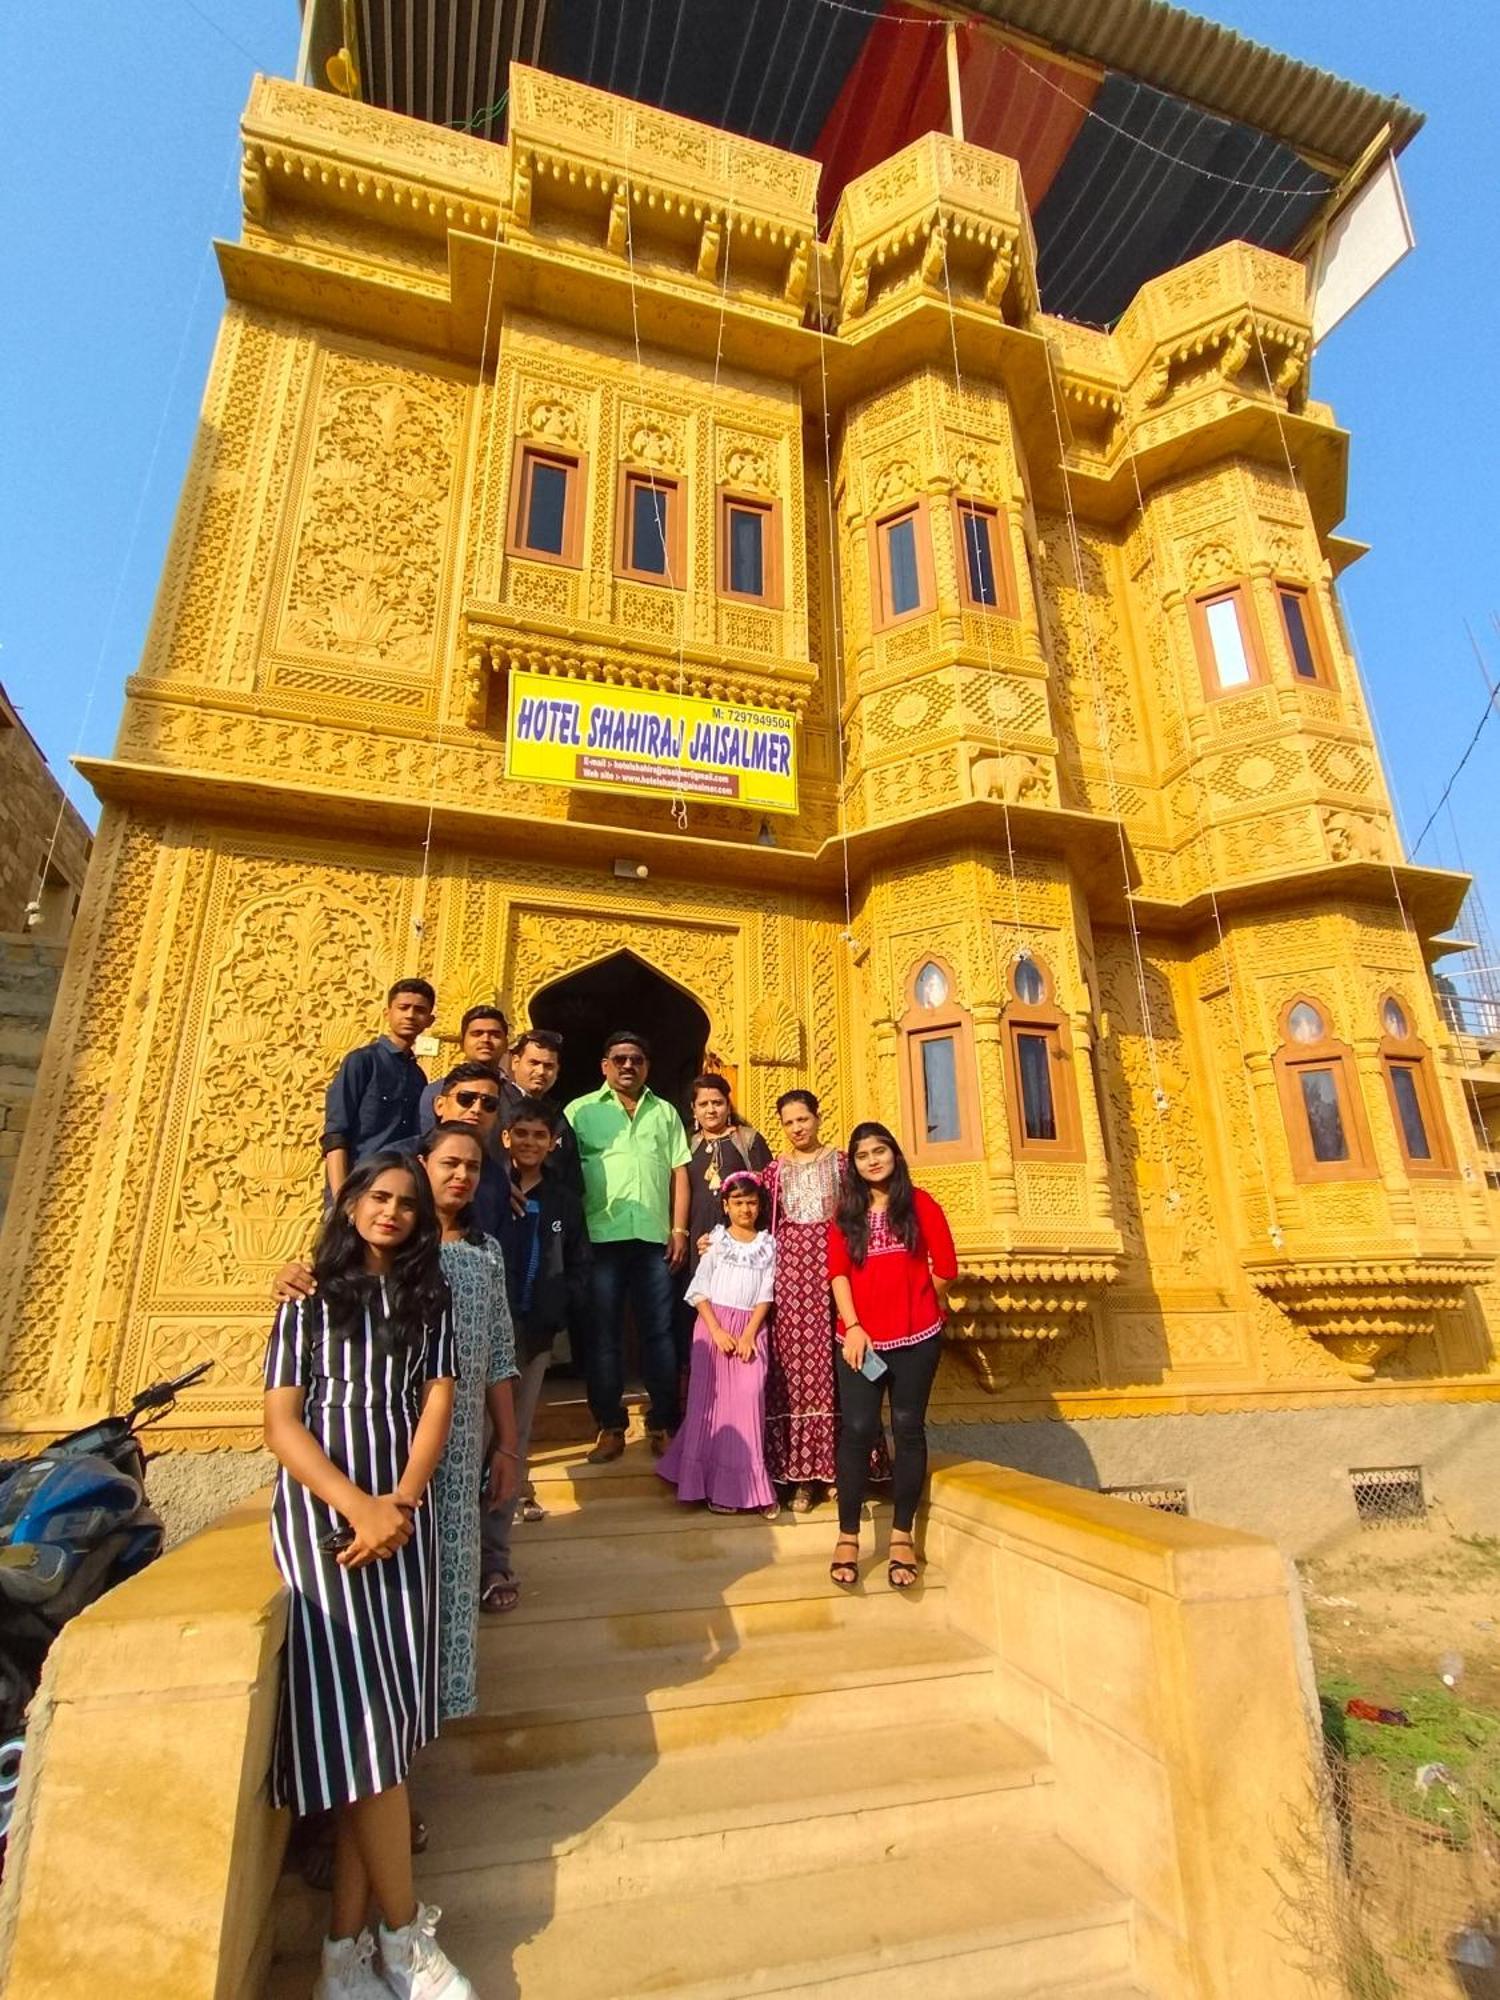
(615, 739)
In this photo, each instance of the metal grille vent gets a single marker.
(1388, 1496)
(1165, 1499)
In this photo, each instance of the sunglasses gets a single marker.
(467, 1099)
(626, 1062)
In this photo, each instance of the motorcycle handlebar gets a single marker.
(160, 1394)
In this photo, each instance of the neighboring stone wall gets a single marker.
(30, 968)
(32, 862)
(1279, 1473)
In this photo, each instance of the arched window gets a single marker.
(1421, 1130)
(1041, 1095)
(939, 1094)
(1326, 1126)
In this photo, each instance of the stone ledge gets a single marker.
(144, 1785)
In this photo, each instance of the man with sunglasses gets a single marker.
(635, 1156)
(483, 1037)
(471, 1095)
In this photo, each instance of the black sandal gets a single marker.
(842, 1570)
(901, 1571)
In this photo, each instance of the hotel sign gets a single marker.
(613, 739)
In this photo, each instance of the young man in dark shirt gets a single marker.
(483, 1037)
(375, 1097)
(535, 1062)
(549, 1272)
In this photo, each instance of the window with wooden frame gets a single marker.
(1421, 1129)
(546, 509)
(901, 551)
(750, 548)
(1042, 1093)
(649, 539)
(1303, 634)
(939, 1085)
(986, 574)
(1225, 639)
(1321, 1103)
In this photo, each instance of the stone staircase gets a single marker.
(700, 1772)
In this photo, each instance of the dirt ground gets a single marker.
(1417, 1804)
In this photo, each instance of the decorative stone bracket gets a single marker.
(1231, 344)
(493, 646)
(1365, 1309)
(1001, 1308)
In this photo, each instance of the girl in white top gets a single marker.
(719, 1454)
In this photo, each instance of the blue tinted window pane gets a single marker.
(547, 506)
(1325, 1121)
(940, 1089)
(648, 528)
(747, 562)
(1294, 618)
(901, 554)
(1038, 1111)
(1404, 1084)
(979, 556)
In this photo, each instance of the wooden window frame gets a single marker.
(885, 619)
(572, 550)
(1001, 560)
(1312, 622)
(772, 573)
(1043, 1017)
(1410, 1053)
(632, 476)
(1290, 1060)
(921, 1024)
(1198, 604)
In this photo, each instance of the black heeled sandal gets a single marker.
(901, 1571)
(844, 1570)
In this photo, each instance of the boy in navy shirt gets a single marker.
(375, 1098)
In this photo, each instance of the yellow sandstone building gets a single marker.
(602, 586)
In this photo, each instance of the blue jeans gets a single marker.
(635, 1273)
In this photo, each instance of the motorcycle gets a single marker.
(74, 1522)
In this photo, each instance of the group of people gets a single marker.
(469, 1222)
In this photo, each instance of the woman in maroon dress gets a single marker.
(801, 1408)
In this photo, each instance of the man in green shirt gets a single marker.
(634, 1154)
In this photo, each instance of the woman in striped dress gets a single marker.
(359, 1398)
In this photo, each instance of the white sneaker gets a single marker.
(416, 1966)
(348, 1971)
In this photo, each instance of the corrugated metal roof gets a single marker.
(1216, 67)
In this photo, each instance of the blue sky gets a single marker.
(118, 164)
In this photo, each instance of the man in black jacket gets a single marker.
(548, 1261)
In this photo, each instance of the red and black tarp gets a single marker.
(1124, 180)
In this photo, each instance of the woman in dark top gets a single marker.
(723, 1144)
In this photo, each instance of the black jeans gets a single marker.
(635, 1272)
(909, 1374)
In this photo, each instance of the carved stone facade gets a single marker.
(1089, 798)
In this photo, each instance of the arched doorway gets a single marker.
(622, 991)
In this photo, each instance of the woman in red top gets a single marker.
(890, 1263)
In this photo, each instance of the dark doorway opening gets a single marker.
(623, 992)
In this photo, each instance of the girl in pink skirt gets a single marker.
(718, 1454)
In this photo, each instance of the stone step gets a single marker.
(617, 1829)
(669, 1698)
(574, 1515)
(569, 1610)
(1018, 1916)
(675, 1537)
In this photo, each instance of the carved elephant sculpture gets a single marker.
(1015, 777)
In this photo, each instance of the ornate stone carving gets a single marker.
(1366, 1309)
